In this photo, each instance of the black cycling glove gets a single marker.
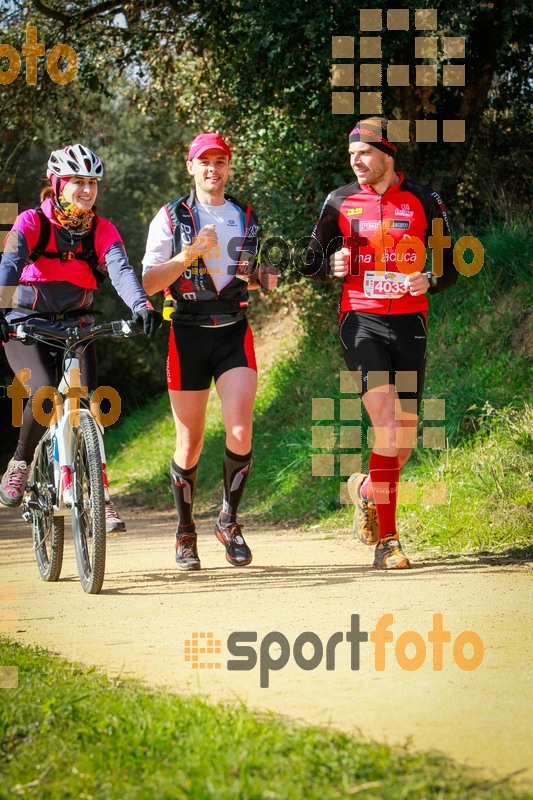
(151, 320)
(4, 329)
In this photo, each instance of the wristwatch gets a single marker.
(433, 280)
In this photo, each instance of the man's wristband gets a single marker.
(433, 280)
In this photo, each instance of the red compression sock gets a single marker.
(384, 475)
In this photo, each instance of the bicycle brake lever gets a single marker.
(131, 327)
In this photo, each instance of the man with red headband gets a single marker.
(373, 234)
(202, 252)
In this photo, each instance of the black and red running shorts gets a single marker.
(386, 349)
(197, 355)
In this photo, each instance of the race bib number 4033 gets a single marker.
(384, 284)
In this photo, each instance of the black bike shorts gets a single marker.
(386, 349)
(196, 355)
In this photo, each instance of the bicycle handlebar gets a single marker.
(117, 328)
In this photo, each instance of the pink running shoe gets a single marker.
(13, 483)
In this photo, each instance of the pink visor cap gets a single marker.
(208, 141)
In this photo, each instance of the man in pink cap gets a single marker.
(202, 253)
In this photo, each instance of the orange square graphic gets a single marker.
(8, 213)
(370, 75)
(322, 465)
(426, 130)
(342, 46)
(406, 380)
(323, 436)
(398, 75)
(434, 494)
(434, 408)
(350, 437)
(407, 494)
(398, 130)
(348, 463)
(201, 644)
(378, 381)
(453, 75)
(426, 19)
(323, 408)
(342, 75)
(426, 75)
(426, 47)
(342, 103)
(350, 381)
(398, 19)
(453, 130)
(454, 46)
(370, 47)
(370, 19)
(434, 438)
(350, 408)
(370, 102)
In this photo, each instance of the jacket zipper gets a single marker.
(383, 234)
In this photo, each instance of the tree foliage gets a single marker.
(260, 72)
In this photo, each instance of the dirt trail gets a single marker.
(298, 582)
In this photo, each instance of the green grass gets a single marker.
(478, 363)
(489, 496)
(68, 732)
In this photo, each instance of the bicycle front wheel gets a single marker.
(48, 532)
(88, 509)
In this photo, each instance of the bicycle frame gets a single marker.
(62, 430)
(68, 473)
(63, 439)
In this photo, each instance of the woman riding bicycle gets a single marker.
(54, 259)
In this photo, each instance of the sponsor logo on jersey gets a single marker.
(442, 208)
(231, 223)
(368, 224)
(373, 224)
(363, 258)
(391, 257)
(353, 211)
(404, 211)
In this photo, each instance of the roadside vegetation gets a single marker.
(68, 732)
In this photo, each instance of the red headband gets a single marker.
(374, 136)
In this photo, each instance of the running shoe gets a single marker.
(237, 551)
(113, 521)
(13, 484)
(389, 554)
(186, 551)
(365, 518)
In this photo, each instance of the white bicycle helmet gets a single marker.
(75, 159)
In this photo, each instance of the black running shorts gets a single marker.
(386, 349)
(197, 355)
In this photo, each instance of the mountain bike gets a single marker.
(68, 472)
